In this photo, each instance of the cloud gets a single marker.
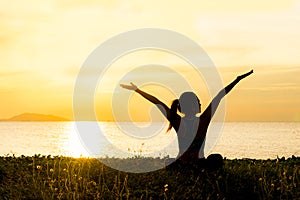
(6, 73)
(271, 37)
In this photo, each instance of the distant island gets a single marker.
(34, 117)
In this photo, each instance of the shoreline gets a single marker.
(139, 157)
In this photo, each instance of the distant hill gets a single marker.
(35, 117)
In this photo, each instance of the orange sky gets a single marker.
(44, 43)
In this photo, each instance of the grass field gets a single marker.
(46, 177)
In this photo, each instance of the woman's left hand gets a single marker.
(129, 87)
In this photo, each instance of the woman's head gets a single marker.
(188, 104)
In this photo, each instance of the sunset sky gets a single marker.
(43, 44)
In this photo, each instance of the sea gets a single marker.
(255, 140)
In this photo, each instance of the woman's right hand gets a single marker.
(129, 87)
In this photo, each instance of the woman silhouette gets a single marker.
(191, 130)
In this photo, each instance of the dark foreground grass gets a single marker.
(41, 177)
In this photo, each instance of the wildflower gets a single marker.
(278, 188)
(51, 170)
(64, 169)
(80, 178)
(166, 187)
(260, 179)
(272, 185)
(94, 183)
(39, 167)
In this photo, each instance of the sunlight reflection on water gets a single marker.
(238, 140)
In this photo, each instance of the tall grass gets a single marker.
(41, 177)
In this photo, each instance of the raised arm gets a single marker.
(161, 106)
(211, 109)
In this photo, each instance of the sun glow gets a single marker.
(73, 145)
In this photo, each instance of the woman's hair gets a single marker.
(189, 102)
(173, 111)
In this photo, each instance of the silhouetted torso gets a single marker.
(191, 135)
